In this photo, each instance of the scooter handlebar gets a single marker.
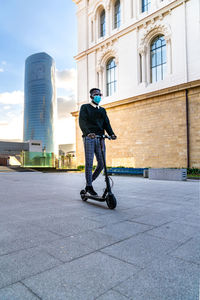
(104, 136)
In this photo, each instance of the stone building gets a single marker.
(145, 57)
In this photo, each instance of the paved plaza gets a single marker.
(55, 246)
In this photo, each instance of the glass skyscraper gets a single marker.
(40, 100)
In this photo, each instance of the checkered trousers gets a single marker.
(92, 147)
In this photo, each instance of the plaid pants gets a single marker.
(92, 146)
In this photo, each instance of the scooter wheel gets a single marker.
(83, 197)
(111, 201)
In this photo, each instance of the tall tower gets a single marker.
(40, 100)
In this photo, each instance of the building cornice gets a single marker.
(165, 91)
(76, 1)
(139, 23)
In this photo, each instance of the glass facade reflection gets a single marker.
(38, 159)
(40, 100)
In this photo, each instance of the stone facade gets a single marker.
(152, 129)
(148, 117)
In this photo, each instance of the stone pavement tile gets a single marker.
(175, 231)
(138, 211)
(68, 248)
(36, 214)
(179, 212)
(150, 210)
(85, 209)
(191, 219)
(130, 201)
(94, 240)
(163, 205)
(189, 251)
(175, 210)
(123, 230)
(112, 295)
(8, 216)
(119, 215)
(66, 226)
(166, 278)
(154, 219)
(129, 214)
(17, 266)
(84, 278)
(57, 209)
(18, 236)
(108, 218)
(17, 292)
(140, 250)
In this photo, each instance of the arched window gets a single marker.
(102, 23)
(117, 14)
(158, 58)
(111, 80)
(146, 5)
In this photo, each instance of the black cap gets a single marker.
(94, 90)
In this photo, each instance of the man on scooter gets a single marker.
(93, 120)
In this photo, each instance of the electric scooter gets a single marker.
(107, 196)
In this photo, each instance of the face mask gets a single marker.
(97, 99)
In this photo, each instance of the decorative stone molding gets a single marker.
(145, 25)
(108, 6)
(109, 3)
(107, 52)
(152, 31)
(99, 69)
(76, 1)
(167, 38)
(95, 8)
(149, 33)
(142, 50)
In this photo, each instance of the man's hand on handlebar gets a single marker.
(91, 135)
(113, 137)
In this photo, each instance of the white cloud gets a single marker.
(2, 123)
(11, 126)
(13, 129)
(1, 70)
(7, 107)
(10, 114)
(65, 131)
(15, 97)
(65, 105)
(66, 79)
(3, 62)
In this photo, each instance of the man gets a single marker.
(93, 120)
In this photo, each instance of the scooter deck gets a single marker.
(97, 198)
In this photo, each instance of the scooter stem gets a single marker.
(105, 169)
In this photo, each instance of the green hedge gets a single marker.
(193, 171)
(82, 168)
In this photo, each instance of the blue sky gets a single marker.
(27, 27)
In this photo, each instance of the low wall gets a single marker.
(168, 174)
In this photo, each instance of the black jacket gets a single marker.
(94, 120)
